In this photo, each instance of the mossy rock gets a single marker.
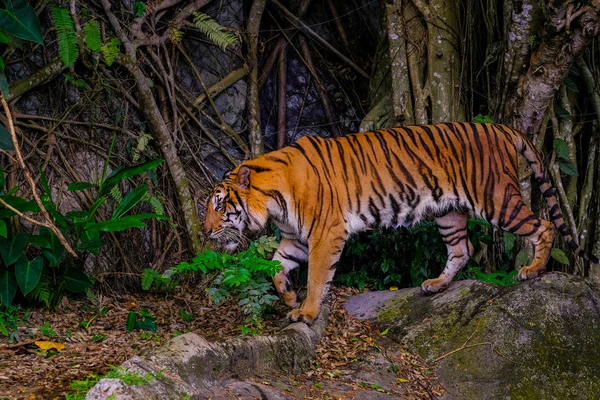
(538, 339)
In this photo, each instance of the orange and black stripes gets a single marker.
(318, 191)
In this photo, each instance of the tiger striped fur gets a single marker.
(319, 191)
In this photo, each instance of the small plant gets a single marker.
(8, 323)
(482, 119)
(47, 330)
(185, 316)
(98, 337)
(245, 276)
(247, 330)
(132, 378)
(141, 320)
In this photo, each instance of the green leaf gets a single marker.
(93, 40)
(3, 84)
(567, 167)
(110, 49)
(56, 250)
(6, 142)
(521, 259)
(3, 38)
(67, 39)
(2, 65)
(75, 280)
(130, 201)
(131, 318)
(91, 246)
(12, 250)
(509, 242)
(28, 273)
(3, 230)
(117, 225)
(147, 324)
(562, 148)
(139, 8)
(74, 186)
(40, 241)
(571, 85)
(562, 112)
(560, 256)
(20, 204)
(214, 31)
(8, 287)
(20, 20)
(119, 174)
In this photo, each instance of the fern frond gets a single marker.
(214, 31)
(142, 143)
(156, 204)
(91, 31)
(176, 35)
(116, 194)
(110, 49)
(42, 293)
(148, 276)
(67, 39)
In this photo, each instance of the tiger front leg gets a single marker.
(322, 262)
(290, 253)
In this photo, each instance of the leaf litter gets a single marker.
(94, 339)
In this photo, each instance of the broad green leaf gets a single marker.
(91, 236)
(20, 20)
(131, 318)
(560, 256)
(562, 148)
(77, 216)
(12, 250)
(40, 241)
(75, 280)
(509, 242)
(147, 324)
(56, 250)
(2, 63)
(6, 142)
(73, 186)
(3, 230)
(8, 287)
(28, 273)
(571, 85)
(20, 204)
(117, 225)
(562, 112)
(91, 246)
(119, 174)
(521, 259)
(130, 201)
(2, 180)
(567, 167)
(3, 38)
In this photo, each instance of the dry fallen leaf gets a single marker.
(44, 345)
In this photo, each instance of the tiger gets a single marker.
(319, 191)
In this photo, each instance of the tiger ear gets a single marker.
(243, 177)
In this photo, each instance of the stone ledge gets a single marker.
(190, 366)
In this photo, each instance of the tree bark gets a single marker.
(254, 129)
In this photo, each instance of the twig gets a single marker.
(464, 346)
(299, 24)
(48, 224)
(17, 345)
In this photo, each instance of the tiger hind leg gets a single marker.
(539, 232)
(453, 228)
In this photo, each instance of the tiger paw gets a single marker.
(529, 272)
(290, 299)
(301, 315)
(434, 285)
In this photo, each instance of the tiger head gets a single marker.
(233, 207)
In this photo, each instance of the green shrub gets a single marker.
(36, 263)
(245, 276)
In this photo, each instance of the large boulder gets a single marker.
(539, 339)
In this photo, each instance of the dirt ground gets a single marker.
(94, 336)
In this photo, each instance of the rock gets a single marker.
(539, 339)
(190, 366)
